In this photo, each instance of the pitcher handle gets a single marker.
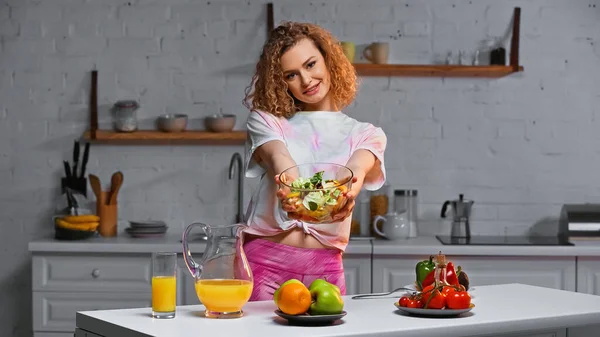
(376, 221)
(194, 267)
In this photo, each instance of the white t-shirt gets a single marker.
(314, 136)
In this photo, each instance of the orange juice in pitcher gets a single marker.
(223, 295)
(223, 278)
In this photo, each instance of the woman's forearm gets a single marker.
(275, 157)
(364, 164)
(281, 162)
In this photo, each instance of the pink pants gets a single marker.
(274, 263)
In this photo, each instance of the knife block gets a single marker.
(78, 185)
(107, 214)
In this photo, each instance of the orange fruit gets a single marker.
(294, 299)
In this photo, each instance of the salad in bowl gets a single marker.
(315, 191)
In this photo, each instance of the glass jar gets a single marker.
(406, 201)
(378, 204)
(125, 115)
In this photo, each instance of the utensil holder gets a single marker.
(108, 216)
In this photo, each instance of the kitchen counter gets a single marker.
(126, 245)
(425, 245)
(430, 245)
(120, 244)
(499, 310)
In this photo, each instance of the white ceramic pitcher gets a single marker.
(395, 226)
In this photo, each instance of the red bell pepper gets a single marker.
(451, 276)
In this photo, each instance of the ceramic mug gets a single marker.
(395, 226)
(349, 49)
(377, 52)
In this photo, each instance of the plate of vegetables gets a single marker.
(444, 296)
(315, 191)
(425, 275)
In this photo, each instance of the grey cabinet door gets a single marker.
(357, 270)
(55, 312)
(92, 273)
(588, 282)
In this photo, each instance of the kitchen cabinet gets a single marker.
(557, 272)
(64, 283)
(588, 282)
(68, 278)
(357, 270)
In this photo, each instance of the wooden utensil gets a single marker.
(115, 184)
(96, 186)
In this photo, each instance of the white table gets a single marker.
(500, 310)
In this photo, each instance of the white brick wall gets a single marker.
(520, 146)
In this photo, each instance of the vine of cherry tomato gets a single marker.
(438, 297)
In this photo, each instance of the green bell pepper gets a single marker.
(422, 269)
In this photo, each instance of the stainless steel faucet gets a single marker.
(237, 159)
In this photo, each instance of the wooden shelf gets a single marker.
(159, 137)
(367, 69)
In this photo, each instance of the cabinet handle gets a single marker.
(95, 273)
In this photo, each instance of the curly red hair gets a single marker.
(271, 92)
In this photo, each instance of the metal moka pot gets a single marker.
(461, 212)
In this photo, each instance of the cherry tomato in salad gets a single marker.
(403, 302)
(458, 300)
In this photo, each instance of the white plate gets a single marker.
(147, 224)
(434, 312)
(414, 288)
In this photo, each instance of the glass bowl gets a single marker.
(316, 190)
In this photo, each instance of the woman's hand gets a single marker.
(287, 204)
(344, 212)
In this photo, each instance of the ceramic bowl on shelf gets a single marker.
(172, 122)
(316, 190)
(220, 122)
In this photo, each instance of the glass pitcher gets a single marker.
(223, 279)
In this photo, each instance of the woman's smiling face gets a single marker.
(307, 76)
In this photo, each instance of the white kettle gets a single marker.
(395, 226)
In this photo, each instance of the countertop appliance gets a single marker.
(580, 221)
(501, 240)
(461, 212)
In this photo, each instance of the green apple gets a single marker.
(275, 295)
(327, 298)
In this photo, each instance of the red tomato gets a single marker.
(448, 290)
(435, 300)
(403, 302)
(458, 300)
(415, 303)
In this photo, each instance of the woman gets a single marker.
(303, 80)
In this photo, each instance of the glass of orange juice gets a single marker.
(164, 284)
